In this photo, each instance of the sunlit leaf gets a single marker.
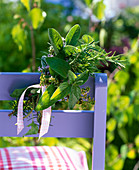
(62, 91)
(137, 141)
(119, 77)
(130, 113)
(16, 16)
(55, 39)
(110, 136)
(124, 102)
(111, 153)
(19, 36)
(88, 2)
(111, 124)
(84, 142)
(71, 77)
(37, 17)
(113, 89)
(121, 117)
(124, 151)
(26, 3)
(102, 37)
(99, 9)
(133, 59)
(70, 50)
(73, 35)
(50, 141)
(87, 38)
(134, 45)
(114, 162)
(44, 101)
(118, 164)
(131, 154)
(123, 134)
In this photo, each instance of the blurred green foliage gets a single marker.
(120, 34)
(123, 115)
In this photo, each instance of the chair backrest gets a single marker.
(66, 123)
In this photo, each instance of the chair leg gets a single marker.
(98, 158)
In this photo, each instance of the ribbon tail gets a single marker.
(46, 116)
(20, 123)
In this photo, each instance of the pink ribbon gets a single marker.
(46, 114)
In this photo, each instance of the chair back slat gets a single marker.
(63, 124)
(11, 81)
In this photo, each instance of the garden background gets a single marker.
(116, 30)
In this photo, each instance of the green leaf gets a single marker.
(79, 82)
(87, 39)
(73, 35)
(71, 77)
(61, 54)
(123, 134)
(111, 153)
(103, 37)
(118, 164)
(52, 72)
(26, 3)
(99, 9)
(124, 102)
(124, 150)
(44, 101)
(17, 92)
(33, 130)
(43, 61)
(110, 136)
(111, 124)
(37, 17)
(131, 154)
(88, 2)
(136, 140)
(19, 36)
(58, 65)
(74, 96)
(70, 50)
(119, 79)
(62, 91)
(82, 78)
(55, 39)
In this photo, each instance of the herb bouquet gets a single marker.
(67, 65)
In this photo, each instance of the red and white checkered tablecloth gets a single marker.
(42, 158)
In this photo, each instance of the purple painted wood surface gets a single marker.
(99, 122)
(75, 123)
(11, 81)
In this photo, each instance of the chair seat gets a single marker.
(42, 158)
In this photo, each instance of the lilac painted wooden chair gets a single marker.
(85, 124)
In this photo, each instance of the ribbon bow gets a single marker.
(46, 114)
